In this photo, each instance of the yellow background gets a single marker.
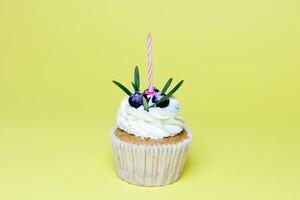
(240, 61)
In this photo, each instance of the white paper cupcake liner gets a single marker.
(149, 165)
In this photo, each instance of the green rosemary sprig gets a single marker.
(137, 79)
(122, 87)
(167, 85)
(169, 94)
(134, 86)
(145, 104)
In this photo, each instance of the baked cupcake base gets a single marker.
(149, 162)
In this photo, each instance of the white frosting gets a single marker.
(156, 123)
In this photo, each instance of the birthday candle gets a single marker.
(150, 68)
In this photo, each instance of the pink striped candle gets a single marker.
(150, 68)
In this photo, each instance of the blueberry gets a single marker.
(155, 89)
(136, 99)
(157, 97)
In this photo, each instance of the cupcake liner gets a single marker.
(149, 165)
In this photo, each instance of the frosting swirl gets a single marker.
(156, 123)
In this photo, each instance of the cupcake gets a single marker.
(150, 140)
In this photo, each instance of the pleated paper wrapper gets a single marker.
(149, 165)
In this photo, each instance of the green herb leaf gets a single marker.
(167, 85)
(137, 78)
(169, 94)
(175, 88)
(148, 99)
(145, 104)
(122, 87)
(134, 87)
